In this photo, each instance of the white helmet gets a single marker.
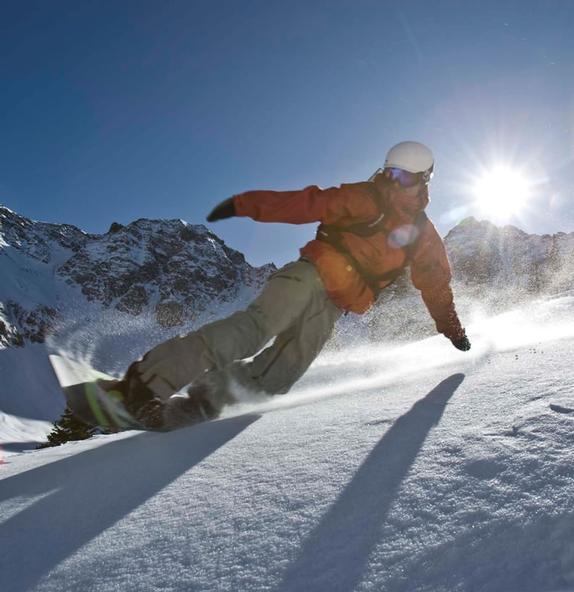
(413, 157)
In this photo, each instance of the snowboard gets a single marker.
(87, 400)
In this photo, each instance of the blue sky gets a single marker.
(117, 110)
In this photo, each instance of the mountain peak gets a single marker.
(166, 268)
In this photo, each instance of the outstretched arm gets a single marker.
(431, 274)
(346, 204)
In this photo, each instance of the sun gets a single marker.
(502, 192)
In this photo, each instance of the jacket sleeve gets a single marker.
(431, 274)
(347, 204)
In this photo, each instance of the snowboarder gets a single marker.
(369, 231)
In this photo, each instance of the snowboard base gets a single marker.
(98, 408)
(87, 400)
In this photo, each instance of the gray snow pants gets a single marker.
(293, 308)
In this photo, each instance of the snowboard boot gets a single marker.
(195, 407)
(150, 414)
(137, 398)
(204, 401)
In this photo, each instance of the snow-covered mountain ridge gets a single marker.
(482, 254)
(494, 268)
(166, 269)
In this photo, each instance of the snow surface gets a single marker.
(411, 468)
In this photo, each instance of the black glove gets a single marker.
(225, 209)
(461, 343)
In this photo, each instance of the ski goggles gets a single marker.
(404, 178)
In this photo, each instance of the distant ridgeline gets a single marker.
(167, 271)
(493, 267)
(175, 275)
(507, 258)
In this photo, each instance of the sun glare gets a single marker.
(502, 193)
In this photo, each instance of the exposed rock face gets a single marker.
(33, 325)
(38, 240)
(165, 264)
(508, 258)
(493, 268)
(505, 259)
(9, 335)
(165, 268)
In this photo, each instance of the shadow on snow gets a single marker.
(335, 554)
(89, 492)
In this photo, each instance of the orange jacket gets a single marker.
(352, 204)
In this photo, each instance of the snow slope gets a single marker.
(411, 468)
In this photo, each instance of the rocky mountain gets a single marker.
(493, 267)
(168, 271)
(505, 259)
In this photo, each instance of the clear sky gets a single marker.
(121, 109)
